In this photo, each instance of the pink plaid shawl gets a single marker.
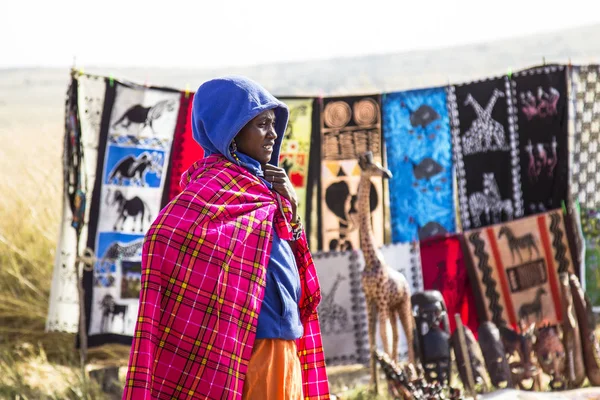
(203, 278)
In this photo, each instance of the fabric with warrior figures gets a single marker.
(349, 126)
(590, 221)
(185, 150)
(542, 112)
(418, 143)
(137, 130)
(84, 110)
(204, 278)
(444, 270)
(485, 152)
(515, 266)
(295, 149)
(585, 92)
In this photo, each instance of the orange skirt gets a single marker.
(274, 371)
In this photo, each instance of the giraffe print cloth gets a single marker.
(514, 269)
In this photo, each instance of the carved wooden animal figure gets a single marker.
(535, 307)
(516, 243)
(386, 291)
(575, 369)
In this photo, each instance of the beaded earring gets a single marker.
(233, 150)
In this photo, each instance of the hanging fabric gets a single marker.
(515, 267)
(349, 126)
(416, 127)
(485, 152)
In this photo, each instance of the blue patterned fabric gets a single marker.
(419, 155)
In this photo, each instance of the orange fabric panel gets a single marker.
(274, 371)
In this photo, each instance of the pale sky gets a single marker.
(216, 33)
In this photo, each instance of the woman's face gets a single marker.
(257, 138)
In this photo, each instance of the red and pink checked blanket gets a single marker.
(203, 278)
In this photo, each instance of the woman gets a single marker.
(229, 289)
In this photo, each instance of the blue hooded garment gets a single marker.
(221, 108)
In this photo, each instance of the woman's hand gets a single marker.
(282, 185)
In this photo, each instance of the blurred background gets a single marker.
(293, 48)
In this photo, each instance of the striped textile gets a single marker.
(203, 279)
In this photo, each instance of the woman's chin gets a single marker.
(266, 157)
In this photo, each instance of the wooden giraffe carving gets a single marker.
(386, 290)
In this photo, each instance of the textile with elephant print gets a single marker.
(136, 134)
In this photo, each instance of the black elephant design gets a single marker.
(135, 169)
(126, 208)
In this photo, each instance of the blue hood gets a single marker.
(223, 106)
